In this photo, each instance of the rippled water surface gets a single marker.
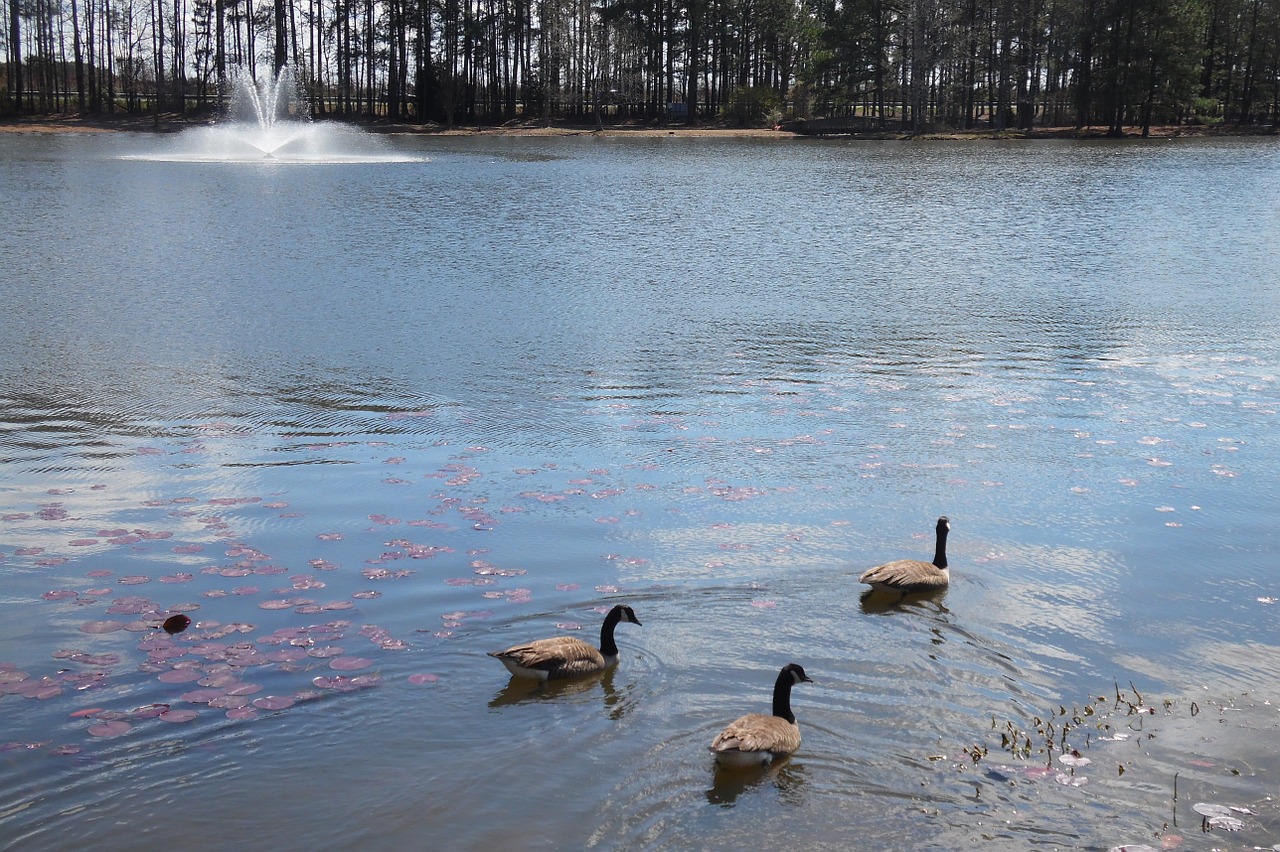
(364, 422)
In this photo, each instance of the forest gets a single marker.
(911, 65)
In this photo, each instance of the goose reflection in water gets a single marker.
(522, 690)
(786, 775)
(878, 602)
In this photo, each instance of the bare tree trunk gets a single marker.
(79, 58)
(282, 39)
(15, 53)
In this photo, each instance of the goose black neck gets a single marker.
(608, 647)
(940, 549)
(782, 697)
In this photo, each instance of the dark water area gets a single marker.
(366, 420)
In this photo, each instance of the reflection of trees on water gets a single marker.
(785, 775)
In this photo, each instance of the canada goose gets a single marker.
(566, 656)
(913, 575)
(755, 738)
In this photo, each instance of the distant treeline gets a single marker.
(903, 64)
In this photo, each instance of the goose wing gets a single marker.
(560, 656)
(905, 575)
(756, 732)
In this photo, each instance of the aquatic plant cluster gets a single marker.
(242, 666)
(243, 670)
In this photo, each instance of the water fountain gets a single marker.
(267, 123)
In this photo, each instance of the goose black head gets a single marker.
(797, 673)
(626, 613)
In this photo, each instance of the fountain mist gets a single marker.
(268, 123)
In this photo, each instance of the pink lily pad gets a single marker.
(244, 689)
(180, 676)
(349, 664)
(113, 728)
(201, 696)
(148, 712)
(180, 715)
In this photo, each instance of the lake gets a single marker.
(365, 421)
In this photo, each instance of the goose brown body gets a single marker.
(914, 575)
(566, 656)
(756, 739)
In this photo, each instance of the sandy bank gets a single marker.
(173, 123)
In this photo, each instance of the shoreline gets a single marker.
(173, 123)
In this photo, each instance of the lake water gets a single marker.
(365, 421)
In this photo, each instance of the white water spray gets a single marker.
(267, 122)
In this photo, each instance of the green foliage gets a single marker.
(752, 106)
(1205, 111)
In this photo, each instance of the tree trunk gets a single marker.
(15, 53)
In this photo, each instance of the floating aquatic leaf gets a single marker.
(287, 655)
(423, 678)
(180, 676)
(113, 728)
(180, 715)
(349, 664)
(244, 689)
(1208, 809)
(200, 696)
(273, 702)
(148, 712)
